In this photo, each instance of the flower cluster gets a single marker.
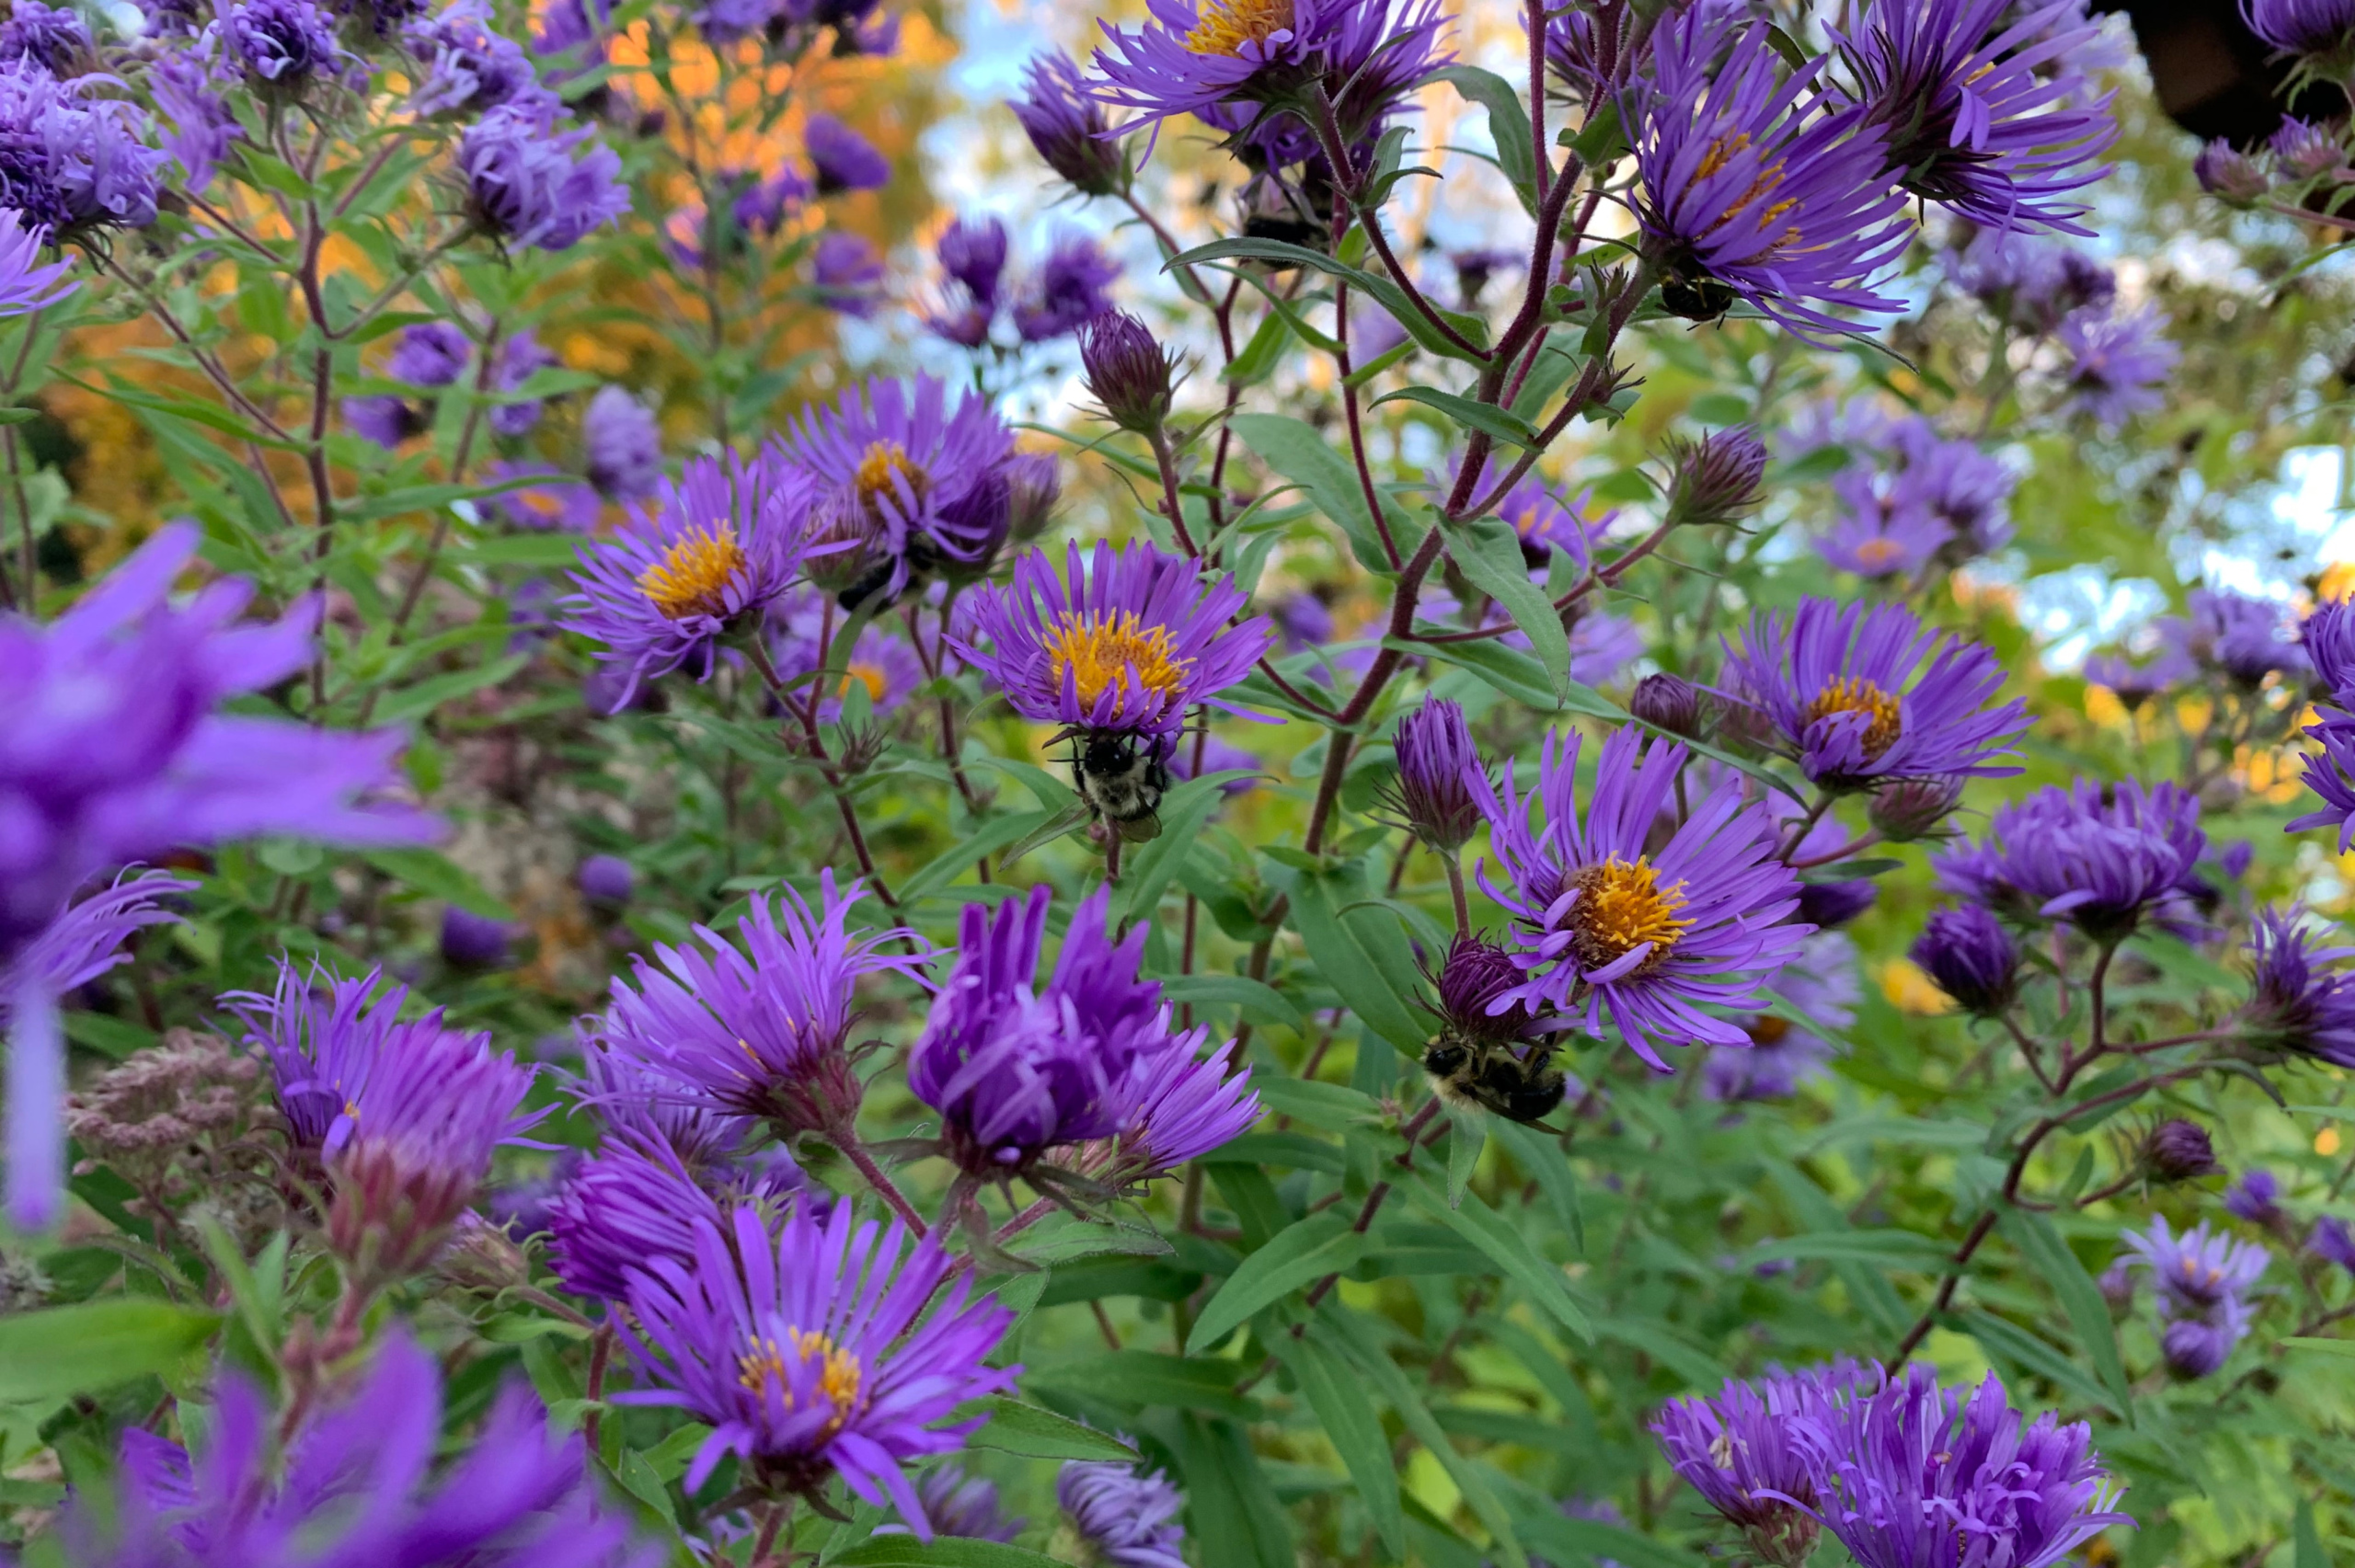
(1069, 287)
(2202, 1281)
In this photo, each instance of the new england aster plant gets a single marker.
(1308, 864)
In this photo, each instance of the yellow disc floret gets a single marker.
(1853, 694)
(1226, 26)
(693, 576)
(1620, 908)
(1095, 651)
(840, 1372)
(885, 468)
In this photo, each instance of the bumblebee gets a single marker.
(1697, 298)
(1122, 780)
(1488, 1075)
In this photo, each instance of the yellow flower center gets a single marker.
(838, 1378)
(1879, 552)
(693, 576)
(883, 469)
(1621, 907)
(1224, 26)
(1852, 695)
(1721, 153)
(1096, 652)
(871, 674)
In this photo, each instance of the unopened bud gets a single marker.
(1667, 703)
(392, 1209)
(1826, 905)
(1719, 479)
(845, 545)
(1912, 809)
(1436, 757)
(1036, 483)
(2178, 1150)
(1968, 955)
(1127, 372)
(2230, 174)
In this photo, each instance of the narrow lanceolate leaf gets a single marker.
(90, 1348)
(1489, 552)
(1481, 1226)
(1014, 1427)
(1296, 1257)
(941, 1551)
(2052, 1261)
(1346, 1414)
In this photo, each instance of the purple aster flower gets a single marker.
(638, 1200)
(1304, 621)
(1197, 56)
(2134, 684)
(2230, 174)
(607, 880)
(1071, 288)
(1435, 757)
(1545, 524)
(804, 1354)
(882, 661)
(1127, 1515)
(386, 421)
(171, 18)
(2327, 636)
(1754, 186)
(2102, 857)
(355, 1481)
(2252, 1198)
(279, 47)
(624, 445)
(1955, 482)
(961, 1505)
(1718, 479)
(1601, 646)
(2197, 1272)
(431, 354)
(86, 938)
(720, 545)
(1873, 545)
(1475, 267)
(2247, 639)
(341, 1052)
(848, 271)
(1819, 983)
(1067, 128)
(52, 36)
(2033, 282)
(1859, 694)
(1914, 1476)
(70, 161)
(2305, 151)
(2332, 1242)
(1184, 1107)
(2295, 1003)
(200, 127)
(1825, 905)
(1970, 121)
(1968, 955)
(1035, 481)
(973, 254)
(114, 751)
(763, 1032)
(2118, 363)
(841, 159)
(1666, 702)
(1604, 921)
(893, 457)
(521, 358)
(525, 186)
(1016, 1072)
(474, 941)
(1740, 1450)
(559, 502)
(2332, 775)
(469, 67)
(2178, 1150)
(1124, 642)
(2302, 26)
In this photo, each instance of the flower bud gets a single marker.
(2178, 1150)
(393, 1207)
(846, 546)
(1970, 956)
(1825, 905)
(1912, 809)
(473, 942)
(2195, 1350)
(1718, 479)
(2230, 174)
(480, 1255)
(1036, 484)
(1668, 703)
(1477, 974)
(2333, 1243)
(1435, 757)
(1127, 372)
(607, 881)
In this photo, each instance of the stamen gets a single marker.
(1225, 27)
(1620, 908)
(1096, 653)
(1854, 694)
(693, 576)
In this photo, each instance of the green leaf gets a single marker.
(2008, 1341)
(1263, 353)
(1141, 1378)
(1350, 1422)
(66, 1350)
(544, 551)
(1182, 813)
(1068, 821)
(2309, 1552)
(637, 1478)
(1297, 1256)
(1336, 1107)
(1232, 1515)
(438, 876)
(1666, 1346)
(1508, 126)
(1506, 1248)
(941, 1551)
(1015, 1427)
(1257, 998)
(1542, 1158)
(107, 1034)
(1516, 675)
(1473, 329)
(1891, 1249)
(1490, 554)
(2050, 1257)
(1294, 449)
(2320, 1347)
(1342, 960)
(1497, 424)
(427, 696)
(987, 840)
(1468, 1135)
